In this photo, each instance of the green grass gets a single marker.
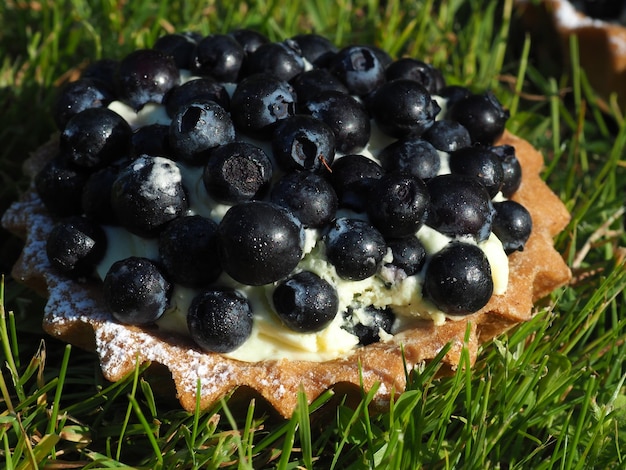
(550, 394)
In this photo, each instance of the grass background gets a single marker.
(550, 394)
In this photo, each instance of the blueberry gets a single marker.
(355, 248)
(144, 76)
(259, 102)
(311, 83)
(220, 320)
(351, 177)
(482, 115)
(512, 170)
(104, 71)
(96, 195)
(408, 254)
(454, 93)
(250, 40)
(200, 89)
(309, 196)
(60, 186)
(403, 108)
(95, 137)
(398, 204)
(305, 302)
(219, 56)
(260, 242)
(153, 139)
(281, 59)
(458, 279)
(447, 135)
(199, 127)
(512, 224)
(79, 95)
(75, 246)
(411, 155)
(178, 46)
(237, 172)
(359, 68)
(367, 323)
(481, 163)
(459, 205)
(147, 194)
(314, 47)
(346, 116)
(135, 291)
(302, 142)
(189, 252)
(412, 69)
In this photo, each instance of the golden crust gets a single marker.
(75, 313)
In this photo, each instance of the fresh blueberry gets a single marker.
(95, 137)
(144, 76)
(178, 46)
(367, 323)
(458, 279)
(147, 194)
(75, 246)
(135, 291)
(250, 40)
(511, 168)
(314, 47)
(411, 155)
(79, 95)
(96, 195)
(220, 320)
(302, 142)
(259, 102)
(199, 127)
(408, 254)
(482, 115)
(359, 68)
(305, 302)
(351, 177)
(189, 252)
(153, 139)
(237, 172)
(200, 89)
(219, 56)
(403, 108)
(447, 135)
(260, 242)
(281, 59)
(398, 204)
(60, 186)
(454, 93)
(104, 71)
(309, 196)
(355, 248)
(512, 224)
(412, 69)
(481, 163)
(311, 83)
(459, 205)
(346, 116)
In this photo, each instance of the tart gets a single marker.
(286, 292)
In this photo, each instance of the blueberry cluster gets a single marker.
(282, 134)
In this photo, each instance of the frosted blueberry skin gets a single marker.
(512, 224)
(312, 82)
(482, 164)
(458, 279)
(359, 68)
(416, 70)
(147, 194)
(219, 56)
(315, 47)
(408, 253)
(75, 246)
(60, 186)
(79, 95)
(281, 59)
(351, 177)
(368, 331)
(414, 156)
(200, 89)
(482, 115)
(259, 242)
(135, 291)
(188, 251)
(447, 135)
(305, 302)
(220, 320)
(355, 248)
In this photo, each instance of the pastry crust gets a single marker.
(75, 313)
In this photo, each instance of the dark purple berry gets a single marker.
(178, 46)
(283, 60)
(219, 56)
(260, 242)
(408, 253)
(75, 246)
(309, 196)
(355, 248)
(368, 323)
(147, 194)
(199, 127)
(447, 136)
(481, 163)
(411, 155)
(135, 291)
(511, 168)
(403, 108)
(314, 47)
(220, 320)
(144, 76)
(359, 68)
(302, 142)
(250, 40)
(454, 93)
(153, 139)
(351, 177)
(79, 95)
(60, 186)
(305, 302)
(104, 71)
(459, 205)
(458, 279)
(189, 252)
(237, 172)
(95, 137)
(482, 115)
(416, 70)
(200, 89)
(512, 224)
(96, 195)
(311, 83)
(398, 203)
